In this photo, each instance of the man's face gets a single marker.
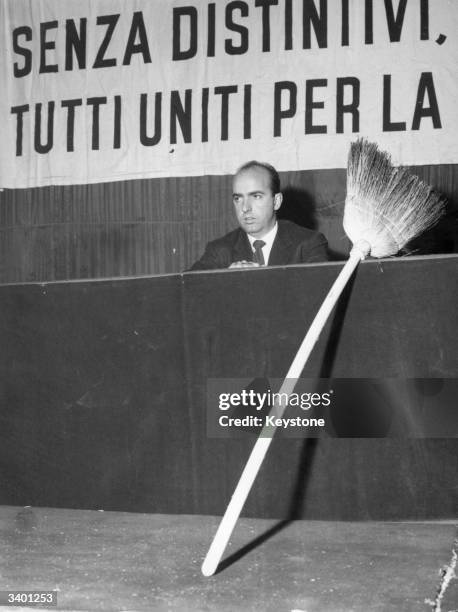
(254, 202)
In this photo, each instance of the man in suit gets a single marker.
(261, 239)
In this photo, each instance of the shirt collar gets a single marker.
(268, 238)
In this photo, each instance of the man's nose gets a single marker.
(246, 205)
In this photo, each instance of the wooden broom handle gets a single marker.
(262, 444)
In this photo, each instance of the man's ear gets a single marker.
(278, 199)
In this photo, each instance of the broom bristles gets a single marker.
(386, 206)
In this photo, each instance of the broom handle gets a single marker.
(262, 444)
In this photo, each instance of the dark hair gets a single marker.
(273, 174)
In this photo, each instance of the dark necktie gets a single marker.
(258, 256)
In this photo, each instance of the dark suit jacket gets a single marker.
(293, 244)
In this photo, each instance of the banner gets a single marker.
(115, 89)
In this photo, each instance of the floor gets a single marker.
(121, 561)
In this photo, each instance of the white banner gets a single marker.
(121, 89)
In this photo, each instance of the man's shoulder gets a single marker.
(228, 240)
(298, 244)
(223, 251)
(288, 228)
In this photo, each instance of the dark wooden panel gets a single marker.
(92, 405)
(399, 320)
(158, 226)
(103, 390)
(385, 319)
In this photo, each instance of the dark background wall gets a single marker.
(162, 225)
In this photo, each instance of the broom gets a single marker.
(385, 208)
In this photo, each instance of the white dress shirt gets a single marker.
(268, 239)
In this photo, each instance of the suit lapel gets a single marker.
(281, 247)
(242, 249)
